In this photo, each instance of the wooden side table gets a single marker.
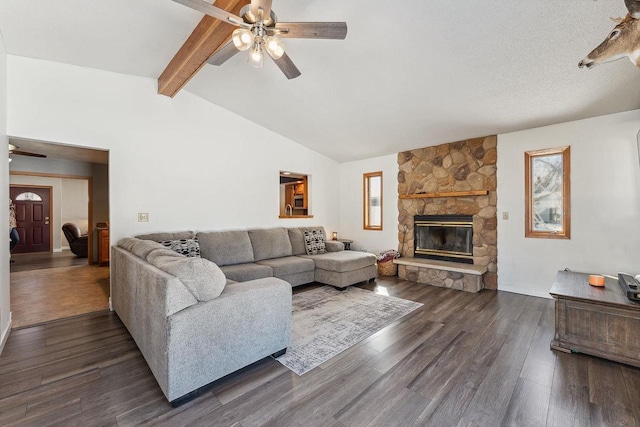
(103, 246)
(347, 243)
(597, 321)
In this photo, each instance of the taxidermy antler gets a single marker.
(622, 41)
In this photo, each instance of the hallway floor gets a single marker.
(49, 286)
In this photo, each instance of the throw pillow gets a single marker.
(201, 277)
(162, 252)
(140, 248)
(187, 247)
(314, 242)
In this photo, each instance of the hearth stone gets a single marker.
(459, 276)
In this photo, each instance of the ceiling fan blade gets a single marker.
(261, 9)
(311, 30)
(223, 54)
(215, 12)
(287, 66)
(26, 153)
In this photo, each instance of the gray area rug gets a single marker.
(326, 322)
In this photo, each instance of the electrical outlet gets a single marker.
(505, 215)
(143, 217)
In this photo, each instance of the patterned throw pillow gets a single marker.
(186, 247)
(314, 242)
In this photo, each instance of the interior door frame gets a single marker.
(89, 180)
(50, 188)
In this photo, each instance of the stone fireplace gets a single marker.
(444, 237)
(458, 178)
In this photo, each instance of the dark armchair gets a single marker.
(78, 242)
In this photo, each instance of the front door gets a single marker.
(33, 215)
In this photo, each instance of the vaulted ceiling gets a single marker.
(409, 74)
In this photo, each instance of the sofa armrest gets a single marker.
(247, 322)
(334, 246)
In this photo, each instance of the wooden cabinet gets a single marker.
(103, 245)
(597, 321)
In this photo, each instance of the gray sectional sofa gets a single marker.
(280, 252)
(197, 319)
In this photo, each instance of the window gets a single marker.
(373, 201)
(547, 193)
(29, 196)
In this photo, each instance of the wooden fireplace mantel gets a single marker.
(444, 194)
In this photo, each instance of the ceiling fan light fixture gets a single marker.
(275, 47)
(242, 38)
(256, 57)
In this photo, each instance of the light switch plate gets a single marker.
(143, 217)
(505, 215)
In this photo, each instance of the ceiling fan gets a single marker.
(13, 149)
(260, 31)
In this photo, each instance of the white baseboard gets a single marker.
(517, 290)
(5, 334)
(55, 250)
(110, 305)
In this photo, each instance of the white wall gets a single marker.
(605, 203)
(74, 206)
(188, 163)
(351, 204)
(100, 175)
(5, 314)
(49, 165)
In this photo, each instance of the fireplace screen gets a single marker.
(444, 237)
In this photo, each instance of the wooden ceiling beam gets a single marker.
(208, 36)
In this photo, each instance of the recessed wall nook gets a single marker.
(457, 178)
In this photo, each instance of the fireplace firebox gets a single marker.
(444, 237)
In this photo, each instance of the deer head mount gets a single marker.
(622, 41)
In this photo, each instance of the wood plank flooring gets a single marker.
(45, 260)
(48, 286)
(461, 359)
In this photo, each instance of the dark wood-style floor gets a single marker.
(461, 359)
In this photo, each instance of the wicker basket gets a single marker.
(387, 268)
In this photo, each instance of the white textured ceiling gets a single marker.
(410, 73)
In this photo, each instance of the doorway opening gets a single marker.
(61, 200)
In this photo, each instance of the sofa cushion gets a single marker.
(270, 243)
(186, 247)
(342, 261)
(334, 246)
(157, 237)
(140, 248)
(203, 278)
(288, 265)
(314, 242)
(296, 236)
(246, 272)
(162, 252)
(226, 247)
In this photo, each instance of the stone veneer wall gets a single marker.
(458, 166)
